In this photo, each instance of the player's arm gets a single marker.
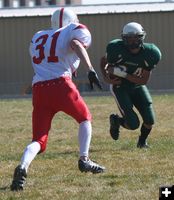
(108, 78)
(83, 55)
(139, 79)
(140, 76)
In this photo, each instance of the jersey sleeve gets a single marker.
(31, 45)
(82, 34)
(112, 51)
(153, 56)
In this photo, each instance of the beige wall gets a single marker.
(15, 34)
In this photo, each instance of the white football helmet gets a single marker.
(62, 17)
(133, 29)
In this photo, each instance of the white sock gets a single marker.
(29, 154)
(85, 132)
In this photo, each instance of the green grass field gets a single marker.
(132, 174)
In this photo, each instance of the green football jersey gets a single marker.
(147, 58)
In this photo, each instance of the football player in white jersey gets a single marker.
(55, 55)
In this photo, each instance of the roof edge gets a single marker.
(90, 9)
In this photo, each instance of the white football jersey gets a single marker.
(51, 53)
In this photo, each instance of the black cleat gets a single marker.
(90, 166)
(142, 143)
(19, 179)
(114, 126)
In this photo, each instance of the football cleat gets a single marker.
(142, 143)
(90, 166)
(114, 126)
(19, 179)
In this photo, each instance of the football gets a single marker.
(113, 77)
(122, 67)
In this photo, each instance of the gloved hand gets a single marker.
(120, 71)
(93, 79)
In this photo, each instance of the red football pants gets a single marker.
(50, 97)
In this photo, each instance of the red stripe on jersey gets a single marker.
(81, 26)
(61, 18)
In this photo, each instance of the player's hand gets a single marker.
(118, 70)
(93, 79)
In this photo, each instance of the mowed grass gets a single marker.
(132, 174)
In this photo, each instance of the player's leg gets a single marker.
(129, 118)
(30, 152)
(77, 108)
(41, 121)
(20, 173)
(143, 103)
(84, 136)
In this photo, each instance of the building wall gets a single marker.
(32, 3)
(15, 35)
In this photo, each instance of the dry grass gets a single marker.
(131, 173)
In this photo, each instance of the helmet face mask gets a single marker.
(133, 35)
(62, 17)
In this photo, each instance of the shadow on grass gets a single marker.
(5, 188)
(55, 155)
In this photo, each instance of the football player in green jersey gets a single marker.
(127, 66)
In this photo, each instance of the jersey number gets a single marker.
(40, 47)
